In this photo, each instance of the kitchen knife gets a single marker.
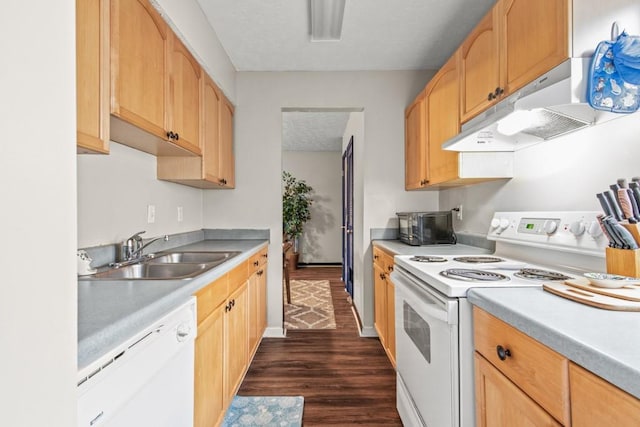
(625, 204)
(635, 179)
(612, 243)
(634, 203)
(622, 183)
(635, 190)
(628, 242)
(615, 209)
(606, 208)
(606, 221)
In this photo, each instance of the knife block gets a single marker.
(625, 262)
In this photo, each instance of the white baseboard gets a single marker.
(368, 332)
(274, 332)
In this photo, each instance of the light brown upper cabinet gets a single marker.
(479, 67)
(143, 88)
(185, 95)
(431, 120)
(92, 76)
(227, 159)
(516, 42)
(215, 168)
(415, 144)
(534, 39)
(442, 123)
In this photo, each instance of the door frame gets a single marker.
(347, 218)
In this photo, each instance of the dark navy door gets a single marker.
(347, 218)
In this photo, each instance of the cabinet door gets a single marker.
(227, 160)
(209, 370)
(139, 77)
(442, 123)
(92, 76)
(236, 345)
(380, 303)
(479, 67)
(184, 102)
(535, 38)
(415, 145)
(500, 403)
(262, 301)
(391, 321)
(257, 307)
(211, 131)
(595, 402)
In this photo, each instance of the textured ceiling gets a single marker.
(313, 131)
(273, 35)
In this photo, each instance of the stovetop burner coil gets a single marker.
(537, 274)
(478, 259)
(428, 258)
(473, 275)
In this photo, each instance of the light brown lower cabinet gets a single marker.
(209, 370)
(521, 382)
(596, 402)
(231, 321)
(384, 302)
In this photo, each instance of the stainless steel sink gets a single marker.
(193, 257)
(165, 266)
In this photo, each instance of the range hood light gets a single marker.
(515, 122)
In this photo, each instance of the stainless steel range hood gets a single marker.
(553, 105)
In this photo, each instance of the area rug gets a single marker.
(271, 411)
(311, 306)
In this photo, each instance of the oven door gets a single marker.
(426, 353)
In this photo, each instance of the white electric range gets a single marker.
(434, 329)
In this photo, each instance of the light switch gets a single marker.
(180, 214)
(151, 214)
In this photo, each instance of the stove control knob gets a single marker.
(577, 228)
(495, 222)
(550, 227)
(594, 229)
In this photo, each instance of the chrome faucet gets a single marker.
(132, 249)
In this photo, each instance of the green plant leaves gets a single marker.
(296, 204)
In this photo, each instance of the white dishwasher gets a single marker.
(146, 381)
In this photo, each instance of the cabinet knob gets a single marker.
(503, 353)
(170, 135)
(177, 136)
(227, 308)
(499, 91)
(382, 276)
(390, 268)
(376, 257)
(256, 263)
(260, 273)
(490, 97)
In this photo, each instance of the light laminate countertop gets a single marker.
(110, 312)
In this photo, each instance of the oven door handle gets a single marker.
(434, 306)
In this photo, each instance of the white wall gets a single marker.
(190, 24)
(322, 170)
(379, 158)
(115, 190)
(38, 290)
(560, 174)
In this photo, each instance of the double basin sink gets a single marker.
(165, 266)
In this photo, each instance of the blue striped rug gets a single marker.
(268, 411)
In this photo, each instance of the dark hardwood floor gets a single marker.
(345, 380)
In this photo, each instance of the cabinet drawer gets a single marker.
(238, 276)
(257, 260)
(537, 370)
(383, 259)
(211, 296)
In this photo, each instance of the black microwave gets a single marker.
(426, 228)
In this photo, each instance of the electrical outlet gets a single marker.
(180, 214)
(151, 214)
(458, 211)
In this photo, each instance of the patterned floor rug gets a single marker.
(270, 411)
(311, 306)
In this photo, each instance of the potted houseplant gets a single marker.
(296, 204)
